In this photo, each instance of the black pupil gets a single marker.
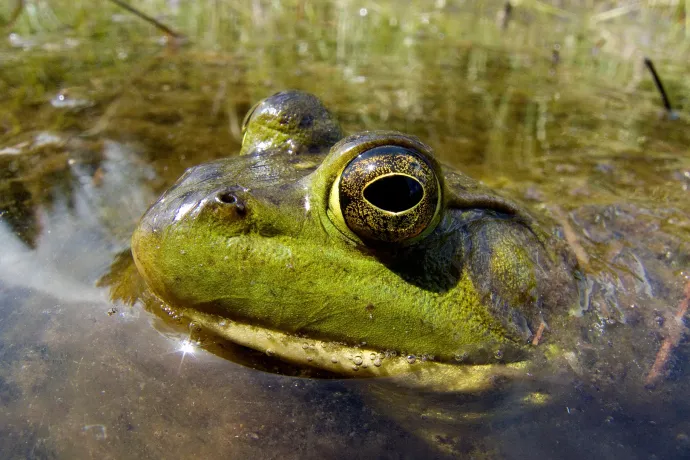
(394, 193)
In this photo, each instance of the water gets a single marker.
(553, 107)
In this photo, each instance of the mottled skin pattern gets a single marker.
(260, 238)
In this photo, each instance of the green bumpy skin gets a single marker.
(292, 123)
(258, 239)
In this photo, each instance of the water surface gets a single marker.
(99, 113)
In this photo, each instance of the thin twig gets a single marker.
(687, 18)
(660, 86)
(615, 12)
(571, 236)
(506, 15)
(148, 19)
(675, 333)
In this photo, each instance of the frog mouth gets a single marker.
(361, 362)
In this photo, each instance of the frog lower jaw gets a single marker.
(361, 361)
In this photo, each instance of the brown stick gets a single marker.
(675, 333)
(148, 19)
(540, 332)
(570, 236)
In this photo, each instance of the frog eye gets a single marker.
(388, 194)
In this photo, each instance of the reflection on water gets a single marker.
(552, 106)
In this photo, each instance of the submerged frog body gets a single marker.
(358, 254)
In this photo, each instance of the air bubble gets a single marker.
(357, 360)
(334, 360)
(411, 359)
(377, 362)
(460, 357)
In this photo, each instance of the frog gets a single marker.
(361, 254)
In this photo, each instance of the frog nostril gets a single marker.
(230, 198)
(226, 197)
